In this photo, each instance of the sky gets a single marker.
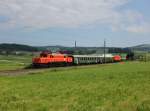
(121, 23)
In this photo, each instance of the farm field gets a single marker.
(111, 87)
(11, 62)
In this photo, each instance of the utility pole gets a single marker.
(75, 47)
(75, 44)
(104, 51)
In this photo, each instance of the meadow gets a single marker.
(111, 87)
(13, 62)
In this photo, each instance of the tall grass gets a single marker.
(116, 87)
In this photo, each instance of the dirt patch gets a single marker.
(19, 72)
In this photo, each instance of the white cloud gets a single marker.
(144, 28)
(69, 13)
(131, 21)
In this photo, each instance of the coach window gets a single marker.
(80, 59)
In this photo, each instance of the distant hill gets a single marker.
(17, 47)
(78, 50)
(143, 47)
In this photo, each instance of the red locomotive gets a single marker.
(49, 59)
(117, 58)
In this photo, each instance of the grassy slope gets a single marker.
(14, 62)
(118, 87)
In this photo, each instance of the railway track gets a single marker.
(19, 72)
(29, 71)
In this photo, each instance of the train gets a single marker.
(48, 59)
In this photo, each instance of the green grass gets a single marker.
(116, 87)
(11, 62)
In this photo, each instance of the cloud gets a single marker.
(68, 13)
(131, 21)
(139, 28)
